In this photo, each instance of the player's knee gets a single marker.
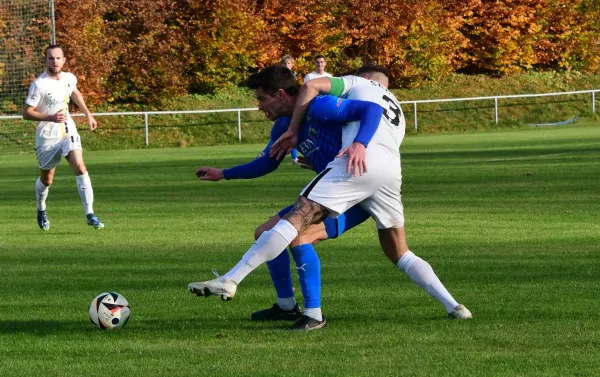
(313, 235)
(47, 181)
(79, 169)
(300, 240)
(304, 241)
(260, 230)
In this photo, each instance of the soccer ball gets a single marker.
(109, 311)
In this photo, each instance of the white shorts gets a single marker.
(49, 156)
(377, 191)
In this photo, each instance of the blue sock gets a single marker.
(279, 268)
(309, 272)
(294, 154)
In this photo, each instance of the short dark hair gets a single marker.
(52, 47)
(319, 57)
(273, 78)
(372, 68)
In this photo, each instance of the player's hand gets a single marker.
(304, 164)
(92, 123)
(283, 145)
(209, 174)
(59, 117)
(357, 159)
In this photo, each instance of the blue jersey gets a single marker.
(318, 140)
(320, 135)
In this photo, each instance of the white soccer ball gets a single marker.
(109, 311)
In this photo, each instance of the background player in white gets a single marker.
(343, 185)
(56, 135)
(319, 71)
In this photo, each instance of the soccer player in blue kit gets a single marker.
(344, 183)
(319, 142)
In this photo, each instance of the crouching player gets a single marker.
(320, 142)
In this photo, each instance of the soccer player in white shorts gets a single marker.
(56, 135)
(369, 176)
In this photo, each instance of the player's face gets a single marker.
(288, 64)
(320, 65)
(273, 105)
(55, 59)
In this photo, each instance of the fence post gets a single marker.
(146, 127)
(239, 126)
(415, 108)
(593, 102)
(52, 23)
(496, 108)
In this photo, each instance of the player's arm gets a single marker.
(30, 108)
(254, 169)
(307, 93)
(30, 113)
(77, 97)
(337, 111)
(259, 167)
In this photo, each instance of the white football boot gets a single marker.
(221, 287)
(460, 312)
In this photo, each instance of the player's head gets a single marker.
(55, 59)
(287, 61)
(374, 72)
(275, 89)
(320, 64)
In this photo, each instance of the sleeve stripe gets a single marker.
(337, 86)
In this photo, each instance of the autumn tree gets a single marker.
(146, 51)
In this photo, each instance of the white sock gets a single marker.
(86, 193)
(422, 274)
(41, 193)
(268, 246)
(286, 303)
(314, 313)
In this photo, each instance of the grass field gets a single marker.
(510, 221)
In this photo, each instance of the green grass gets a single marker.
(509, 220)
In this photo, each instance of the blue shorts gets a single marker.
(336, 226)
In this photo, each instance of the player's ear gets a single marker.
(284, 96)
(281, 93)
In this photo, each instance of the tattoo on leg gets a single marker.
(305, 213)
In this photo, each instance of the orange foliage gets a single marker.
(145, 51)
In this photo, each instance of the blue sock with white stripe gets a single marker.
(309, 273)
(279, 268)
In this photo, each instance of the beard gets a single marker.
(55, 70)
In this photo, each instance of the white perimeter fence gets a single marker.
(147, 114)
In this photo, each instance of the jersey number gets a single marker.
(392, 113)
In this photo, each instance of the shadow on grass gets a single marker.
(209, 324)
(43, 327)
